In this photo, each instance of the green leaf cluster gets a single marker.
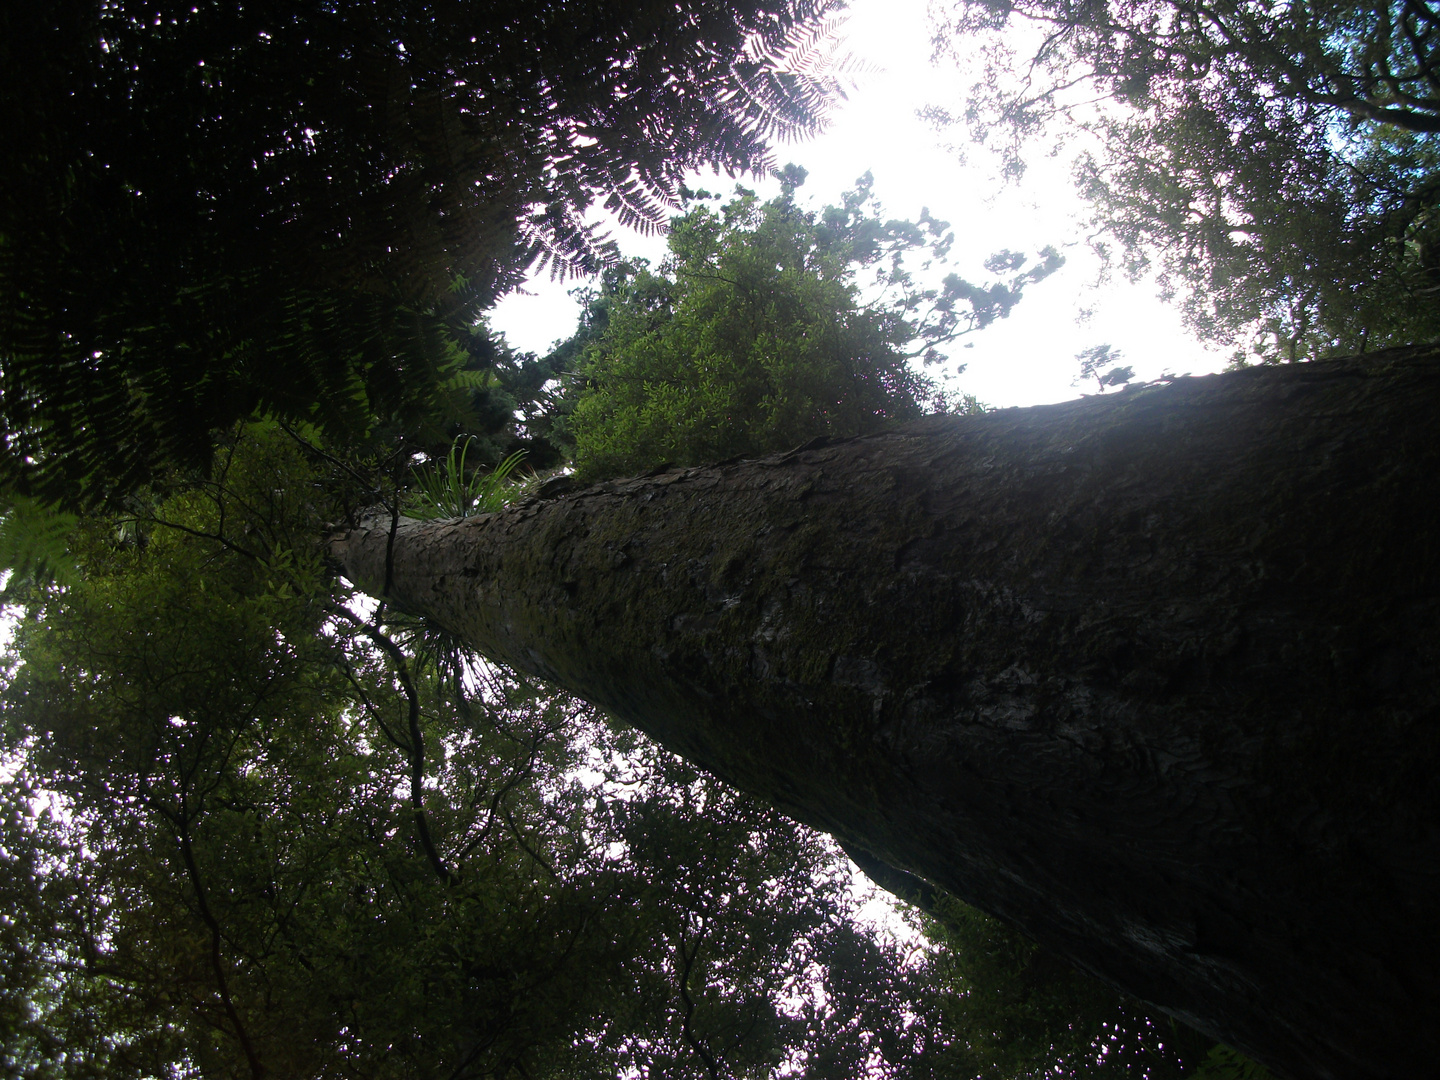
(446, 489)
(769, 325)
(34, 544)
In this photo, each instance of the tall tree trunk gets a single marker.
(1152, 676)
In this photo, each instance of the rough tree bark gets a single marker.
(1152, 676)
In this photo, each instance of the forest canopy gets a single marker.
(254, 826)
(1278, 165)
(212, 209)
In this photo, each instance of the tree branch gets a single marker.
(417, 739)
(687, 964)
(187, 854)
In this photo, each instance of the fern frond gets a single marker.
(35, 545)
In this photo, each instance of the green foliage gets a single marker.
(1223, 1063)
(1310, 237)
(213, 210)
(34, 545)
(1025, 1012)
(512, 407)
(447, 490)
(1095, 359)
(283, 838)
(754, 334)
(51, 1026)
(1279, 165)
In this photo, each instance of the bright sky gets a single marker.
(1025, 360)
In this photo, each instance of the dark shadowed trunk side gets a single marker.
(1152, 676)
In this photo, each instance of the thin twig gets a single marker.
(257, 1070)
(417, 738)
(540, 860)
(308, 445)
(687, 959)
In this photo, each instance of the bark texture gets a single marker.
(1154, 676)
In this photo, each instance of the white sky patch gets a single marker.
(1026, 359)
(880, 912)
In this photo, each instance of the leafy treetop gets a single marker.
(755, 334)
